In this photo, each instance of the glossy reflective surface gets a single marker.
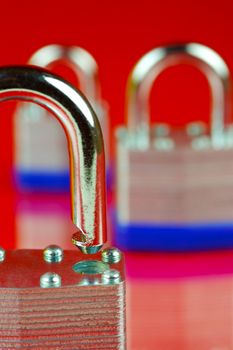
(50, 305)
(87, 167)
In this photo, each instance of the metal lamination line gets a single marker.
(86, 149)
(154, 62)
(61, 325)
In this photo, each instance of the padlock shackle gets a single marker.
(86, 148)
(148, 68)
(79, 60)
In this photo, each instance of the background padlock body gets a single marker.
(86, 312)
(44, 166)
(38, 166)
(172, 196)
(180, 199)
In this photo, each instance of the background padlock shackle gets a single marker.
(86, 149)
(148, 68)
(79, 60)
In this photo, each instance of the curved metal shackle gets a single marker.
(86, 149)
(78, 59)
(148, 68)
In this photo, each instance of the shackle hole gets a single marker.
(90, 267)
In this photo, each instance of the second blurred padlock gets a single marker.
(175, 189)
(33, 170)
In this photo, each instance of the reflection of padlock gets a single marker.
(64, 300)
(41, 220)
(175, 190)
(180, 301)
(34, 168)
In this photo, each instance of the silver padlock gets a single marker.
(36, 169)
(175, 187)
(54, 298)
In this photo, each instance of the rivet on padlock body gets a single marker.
(64, 303)
(176, 191)
(49, 171)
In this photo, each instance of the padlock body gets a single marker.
(84, 312)
(180, 199)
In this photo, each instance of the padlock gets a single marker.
(65, 300)
(36, 169)
(175, 187)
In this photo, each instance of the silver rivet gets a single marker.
(196, 129)
(164, 144)
(161, 130)
(53, 254)
(2, 254)
(111, 255)
(50, 280)
(111, 277)
(200, 143)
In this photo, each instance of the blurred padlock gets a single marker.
(175, 187)
(54, 298)
(43, 166)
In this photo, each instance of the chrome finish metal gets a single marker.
(111, 277)
(87, 164)
(86, 312)
(72, 269)
(2, 254)
(164, 144)
(161, 130)
(153, 63)
(82, 241)
(50, 280)
(111, 255)
(196, 129)
(53, 254)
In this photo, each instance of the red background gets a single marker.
(117, 34)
